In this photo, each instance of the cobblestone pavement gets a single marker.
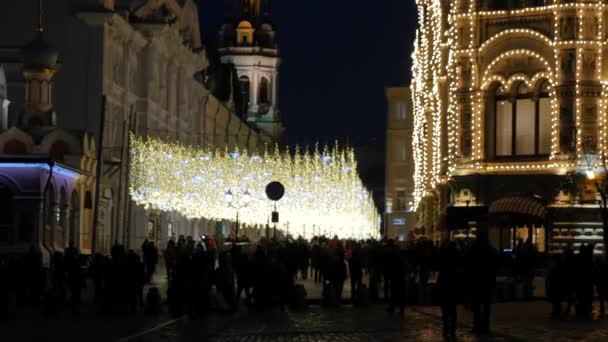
(315, 324)
(511, 322)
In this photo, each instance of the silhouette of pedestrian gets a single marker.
(355, 268)
(397, 272)
(449, 286)
(584, 282)
(482, 263)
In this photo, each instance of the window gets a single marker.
(400, 203)
(264, 91)
(402, 151)
(523, 122)
(401, 111)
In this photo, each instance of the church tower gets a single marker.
(248, 43)
(39, 67)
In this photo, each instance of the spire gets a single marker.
(39, 25)
(266, 10)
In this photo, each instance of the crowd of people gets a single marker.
(572, 281)
(208, 274)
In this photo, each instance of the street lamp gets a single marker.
(237, 204)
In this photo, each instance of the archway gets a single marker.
(6, 220)
(243, 97)
(49, 221)
(62, 221)
(75, 219)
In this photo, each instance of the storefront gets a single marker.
(517, 218)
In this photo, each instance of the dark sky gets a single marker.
(338, 56)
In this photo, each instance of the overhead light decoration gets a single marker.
(324, 194)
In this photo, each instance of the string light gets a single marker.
(449, 59)
(323, 190)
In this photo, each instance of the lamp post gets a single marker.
(237, 204)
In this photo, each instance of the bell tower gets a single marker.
(248, 44)
(39, 67)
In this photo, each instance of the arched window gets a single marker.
(75, 219)
(50, 206)
(523, 121)
(264, 91)
(61, 218)
(6, 220)
(243, 96)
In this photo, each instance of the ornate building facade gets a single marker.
(125, 66)
(400, 216)
(510, 114)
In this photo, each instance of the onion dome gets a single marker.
(38, 54)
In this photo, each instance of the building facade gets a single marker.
(126, 66)
(400, 219)
(510, 115)
(42, 166)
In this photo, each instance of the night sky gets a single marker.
(338, 56)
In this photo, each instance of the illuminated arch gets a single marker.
(507, 36)
(512, 53)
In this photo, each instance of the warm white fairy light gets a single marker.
(323, 190)
(443, 53)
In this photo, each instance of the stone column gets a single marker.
(565, 87)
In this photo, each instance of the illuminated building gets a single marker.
(45, 171)
(324, 194)
(508, 102)
(400, 218)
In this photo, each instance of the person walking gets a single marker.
(150, 254)
(482, 263)
(170, 255)
(448, 284)
(397, 272)
(355, 268)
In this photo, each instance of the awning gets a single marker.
(517, 210)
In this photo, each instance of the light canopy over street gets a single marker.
(324, 192)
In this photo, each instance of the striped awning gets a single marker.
(518, 210)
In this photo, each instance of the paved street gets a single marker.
(512, 322)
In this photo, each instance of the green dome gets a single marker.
(39, 54)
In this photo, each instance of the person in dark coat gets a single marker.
(170, 256)
(75, 282)
(355, 268)
(242, 267)
(315, 257)
(150, 254)
(584, 282)
(554, 288)
(397, 272)
(482, 264)
(448, 284)
(601, 284)
(58, 275)
(339, 273)
(224, 281)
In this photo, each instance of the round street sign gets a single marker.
(275, 191)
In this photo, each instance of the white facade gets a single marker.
(145, 60)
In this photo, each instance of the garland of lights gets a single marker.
(324, 194)
(438, 58)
